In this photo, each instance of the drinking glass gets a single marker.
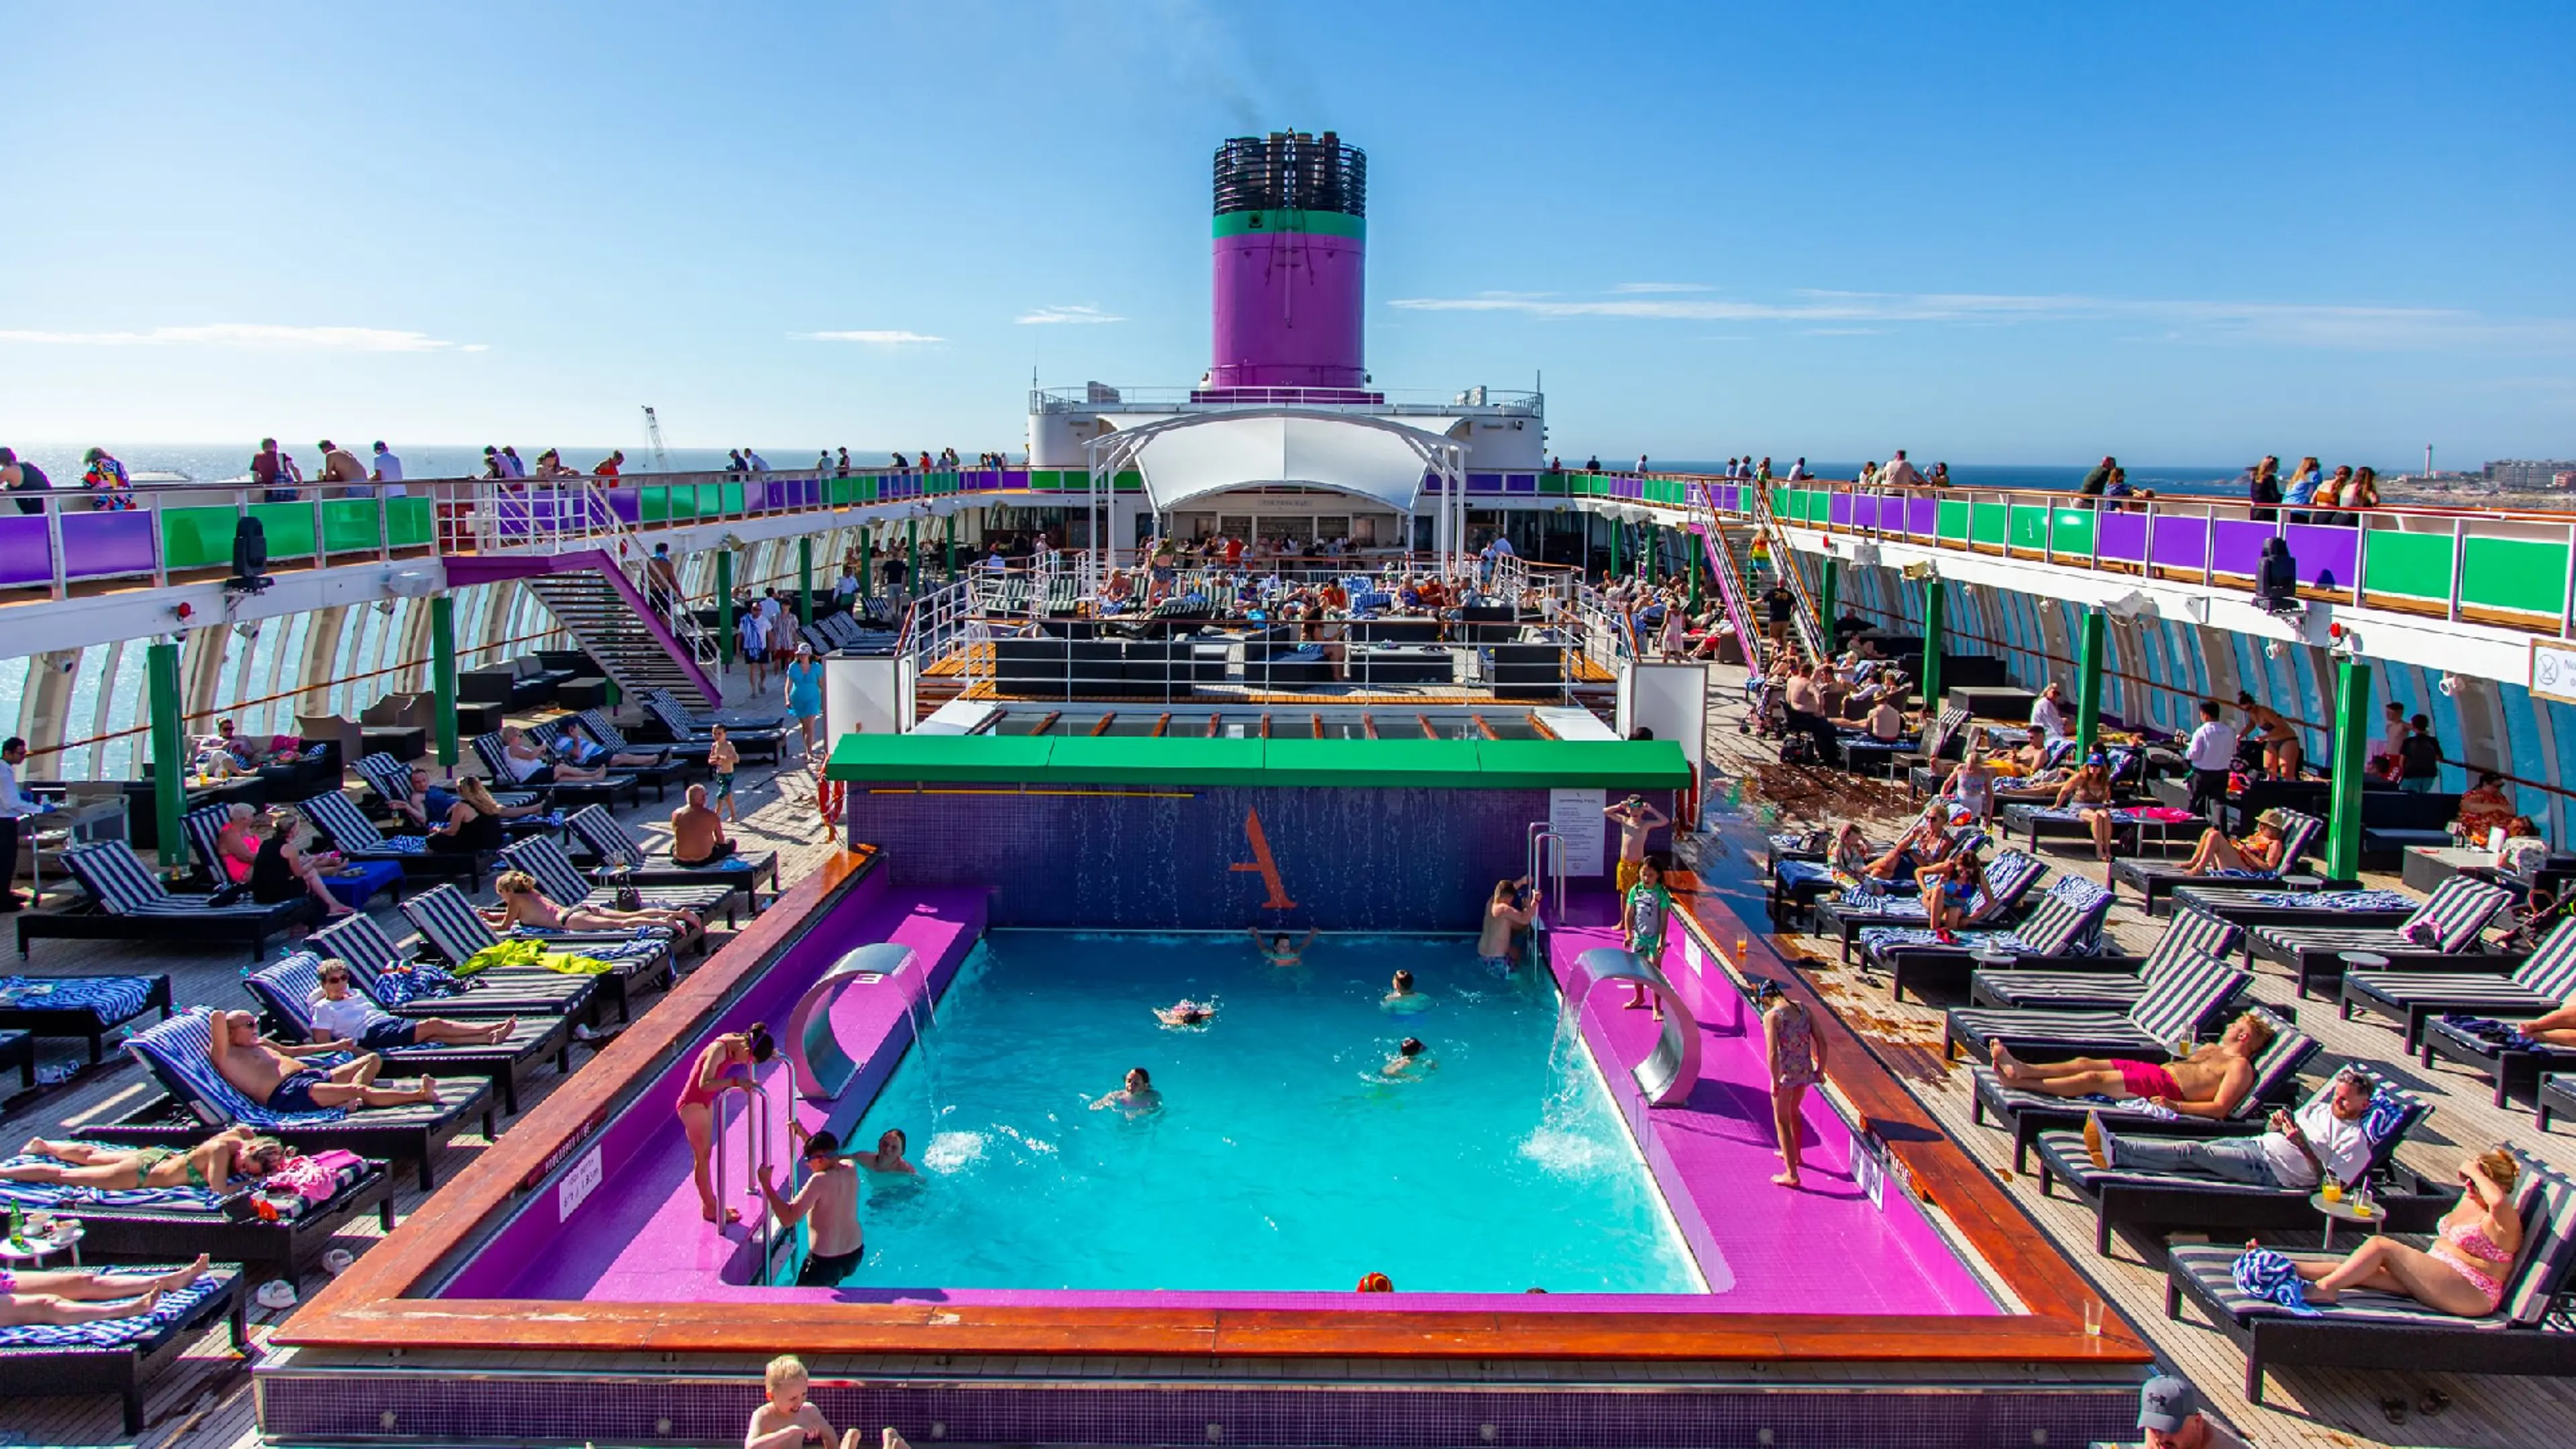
(2333, 1191)
(2093, 1311)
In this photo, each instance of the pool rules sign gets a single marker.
(1575, 816)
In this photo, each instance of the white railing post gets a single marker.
(2459, 561)
(54, 545)
(2208, 546)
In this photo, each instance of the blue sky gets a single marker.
(2010, 234)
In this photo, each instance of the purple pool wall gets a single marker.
(1187, 858)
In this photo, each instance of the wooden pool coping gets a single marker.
(380, 1304)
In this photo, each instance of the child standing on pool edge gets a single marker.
(1642, 908)
(1797, 1061)
(1637, 822)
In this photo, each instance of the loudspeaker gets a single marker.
(250, 557)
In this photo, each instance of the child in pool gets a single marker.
(1186, 1012)
(1136, 1098)
(1277, 951)
(1410, 1060)
(1403, 997)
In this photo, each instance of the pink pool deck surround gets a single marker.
(636, 1233)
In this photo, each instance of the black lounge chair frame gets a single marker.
(124, 1369)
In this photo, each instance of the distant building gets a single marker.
(2524, 473)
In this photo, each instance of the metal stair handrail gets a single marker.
(1805, 619)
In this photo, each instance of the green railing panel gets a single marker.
(2417, 565)
(1042, 480)
(414, 521)
(1129, 481)
(194, 538)
(652, 504)
(2074, 528)
(289, 527)
(2521, 574)
(351, 525)
(1950, 519)
(1551, 483)
(1986, 524)
(729, 499)
(845, 491)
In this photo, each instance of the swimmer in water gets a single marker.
(1276, 950)
(1403, 997)
(1136, 1098)
(889, 1154)
(1186, 1012)
(1409, 1060)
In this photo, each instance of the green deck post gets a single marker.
(169, 791)
(951, 547)
(1829, 575)
(867, 567)
(1616, 528)
(2088, 681)
(442, 674)
(724, 606)
(805, 580)
(1933, 600)
(912, 557)
(2351, 738)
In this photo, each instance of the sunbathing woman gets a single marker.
(1950, 889)
(2090, 790)
(86, 1295)
(1928, 843)
(211, 1164)
(2260, 851)
(2464, 1272)
(522, 904)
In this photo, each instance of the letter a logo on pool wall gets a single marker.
(1262, 862)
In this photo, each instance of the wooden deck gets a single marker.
(2327, 1409)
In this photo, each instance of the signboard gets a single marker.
(578, 1184)
(1869, 1167)
(2553, 671)
(1575, 816)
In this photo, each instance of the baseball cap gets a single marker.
(2165, 1402)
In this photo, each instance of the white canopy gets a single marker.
(1191, 455)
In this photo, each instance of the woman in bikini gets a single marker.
(2090, 791)
(2260, 851)
(522, 904)
(1950, 889)
(724, 1061)
(2463, 1273)
(211, 1164)
(86, 1295)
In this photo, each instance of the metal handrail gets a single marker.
(1539, 855)
(757, 1156)
(1808, 619)
(1721, 564)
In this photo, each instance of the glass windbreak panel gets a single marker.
(1075, 724)
(1139, 723)
(1512, 726)
(1022, 724)
(1342, 729)
(1239, 727)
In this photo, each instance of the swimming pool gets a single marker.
(1282, 1157)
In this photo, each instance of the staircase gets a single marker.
(1718, 546)
(608, 616)
(1806, 621)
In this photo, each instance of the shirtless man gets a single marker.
(2211, 1082)
(1135, 1097)
(2556, 1028)
(1505, 919)
(1409, 1062)
(830, 1199)
(270, 1073)
(697, 832)
(1637, 820)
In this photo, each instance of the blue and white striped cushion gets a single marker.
(119, 881)
(2194, 933)
(446, 918)
(111, 999)
(2175, 1005)
(349, 827)
(106, 1333)
(177, 1052)
(606, 838)
(358, 940)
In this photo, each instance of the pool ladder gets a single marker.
(1546, 848)
(756, 1157)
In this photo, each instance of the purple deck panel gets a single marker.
(639, 1236)
(26, 549)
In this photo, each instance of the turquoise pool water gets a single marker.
(1281, 1158)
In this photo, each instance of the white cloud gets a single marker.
(881, 338)
(264, 336)
(2288, 324)
(1842, 331)
(1049, 316)
(1644, 287)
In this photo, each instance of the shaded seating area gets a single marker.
(496, 762)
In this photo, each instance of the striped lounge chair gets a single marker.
(2101, 984)
(2177, 1009)
(85, 1008)
(605, 730)
(357, 838)
(448, 922)
(387, 974)
(660, 772)
(2542, 982)
(2526, 1334)
(670, 710)
(176, 1053)
(2066, 922)
(390, 780)
(609, 842)
(2443, 929)
(18, 1049)
(2153, 878)
(496, 763)
(121, 1355)
(2009, 879)
(2169, 1200)
(2028, 1113)
(2055, 820)
(127, 902)
(2557, 1095)
(565, 885)
(2252, 906)
(288, 989)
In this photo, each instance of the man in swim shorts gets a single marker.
(2212, 1082)
(270, 1073)
(830, 1198)
(1637, 822)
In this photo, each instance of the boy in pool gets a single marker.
(889, 1154)
(1403, 997)
(1186, 1012)
(831, 1197)
(1277, 951)
(1136, 1098)
(1409, 1060)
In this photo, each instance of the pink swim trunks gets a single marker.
(2146, 1079)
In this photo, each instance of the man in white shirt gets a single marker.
(388, 467)
(1798, 471)
(1900, 473)
(2050, 712)
(2325, 1137)
(341, 1015)
(2212, 753)
(14, 806)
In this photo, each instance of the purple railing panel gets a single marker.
(26, 552)
(1922, 517)
(2238, 547)
(1838, 510)
(96, 545)
(2326, 554)
(2121, 537)
(627, 506)
(2180, 543)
